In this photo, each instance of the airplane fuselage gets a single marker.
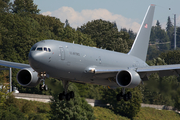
(71, 61)
(79, 63)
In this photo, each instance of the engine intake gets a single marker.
(128, 78)
(28, 77)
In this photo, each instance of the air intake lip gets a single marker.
(128, 78)
(27, 77)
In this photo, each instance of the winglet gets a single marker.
(140, 45)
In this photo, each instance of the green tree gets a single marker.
(178, 37)
(11, 113)
(8, 110)
(105, 35)
(157, 61)
(159, 41)
(153, 52)
(132, 35)
(170, 30)
(161, 37)
(5, 6)
(74, 109)
(171, 57)
(90, 91)
(177, 99)
(126, 108)
(25, 6)
(3, 94)
(158, 24)
(159, 90)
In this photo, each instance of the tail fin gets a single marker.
(140, 45)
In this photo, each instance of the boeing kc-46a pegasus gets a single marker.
(77, 63)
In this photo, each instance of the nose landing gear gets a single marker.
(43, 86)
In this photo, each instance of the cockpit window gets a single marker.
(45, 49)
(39, 49)
(49, 49)
(33, 48)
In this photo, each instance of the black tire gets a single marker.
(45, 87)
(68, 97)
(41, 87)
(125, 97)
(71, 94)
(61, 96)
(129, 95)
(118, 97)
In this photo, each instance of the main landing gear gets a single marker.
(43, 86)
(124, 96)
(65, 95)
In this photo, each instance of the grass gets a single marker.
(154, 114)
(106, 114)
(144, 114)
(43, 109)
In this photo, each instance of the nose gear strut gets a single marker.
(43, 86)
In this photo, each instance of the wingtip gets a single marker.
(153, 5)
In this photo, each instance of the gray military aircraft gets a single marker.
(83, 64)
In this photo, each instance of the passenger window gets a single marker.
(45, 49)
(39, 49)
(49, 49)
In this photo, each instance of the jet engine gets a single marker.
(28, 77)
(128, 78)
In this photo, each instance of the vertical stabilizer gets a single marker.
(140, 45)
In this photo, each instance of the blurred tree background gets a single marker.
(21, 26)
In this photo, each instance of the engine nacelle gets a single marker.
(28, 77)
(128, 78)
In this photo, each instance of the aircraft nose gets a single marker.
(33, 59)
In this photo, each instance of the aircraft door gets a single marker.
(62, 53)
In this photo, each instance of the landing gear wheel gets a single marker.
(61, 96)
(45, 87)
(68, 97)
(41, 87)
(119, 96)
(71, 94)
(129, 95)
(125, 97)
(65, 95)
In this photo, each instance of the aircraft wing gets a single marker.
(14, 64)
(163, 70)
(144, 72)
